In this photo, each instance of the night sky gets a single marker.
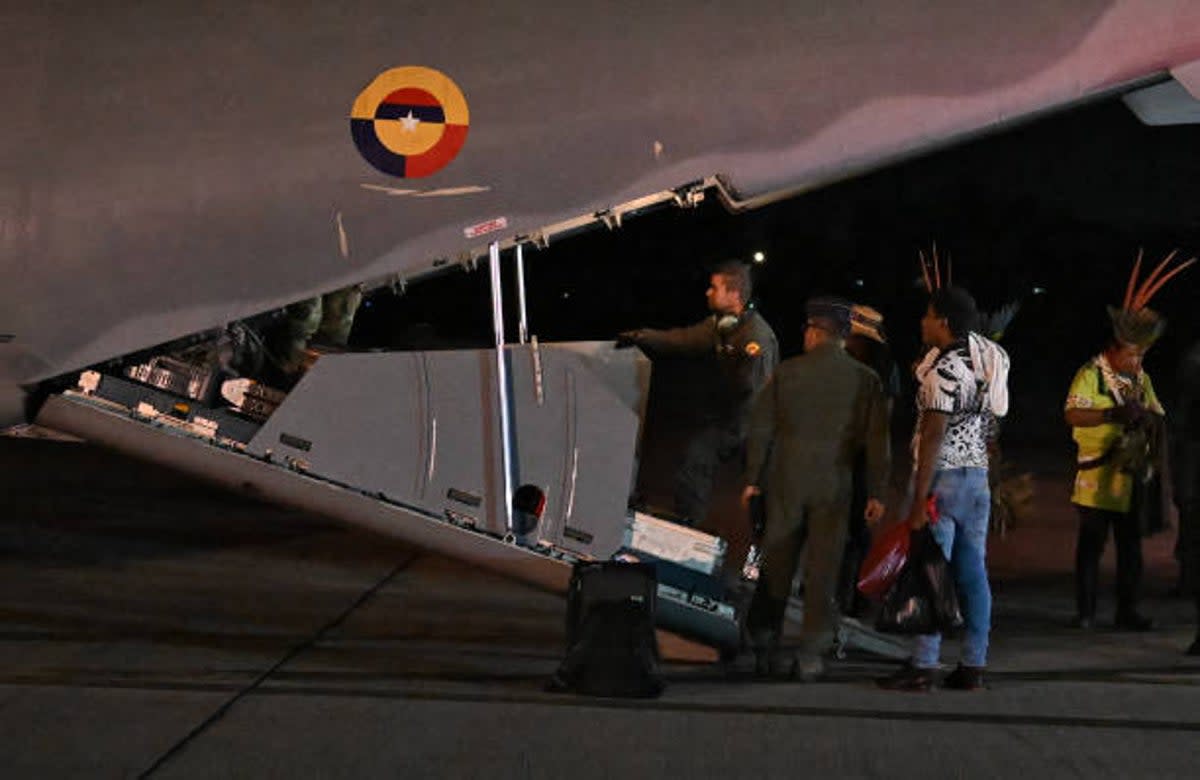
(1060, 205)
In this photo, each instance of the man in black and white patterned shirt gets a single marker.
(962, 384)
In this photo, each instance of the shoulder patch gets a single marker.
(753, 348)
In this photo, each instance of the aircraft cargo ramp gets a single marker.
(410, 445)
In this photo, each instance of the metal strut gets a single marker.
(523, 330)
(503, 386)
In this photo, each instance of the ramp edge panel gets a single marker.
(248, 475)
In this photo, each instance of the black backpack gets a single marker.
(612, 649)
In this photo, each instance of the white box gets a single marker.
(674, 542)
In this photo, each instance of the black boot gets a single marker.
(763, 644)
(770, 661)
(1086, 580)
(1128, 619)
(764, 623)
(1089, 547)
(965, 678)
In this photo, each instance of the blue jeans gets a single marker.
(964, 502)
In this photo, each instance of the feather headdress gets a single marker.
(867, 321)
(931, 269)
(991, 325)
(1135, 322)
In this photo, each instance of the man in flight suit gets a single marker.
(817, 412)
(745, 352)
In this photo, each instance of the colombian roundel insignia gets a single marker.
(410, 122)
(753, 349)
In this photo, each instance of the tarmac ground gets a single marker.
(153, 626)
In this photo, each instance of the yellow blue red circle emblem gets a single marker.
(410, 121)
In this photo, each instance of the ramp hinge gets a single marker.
(610, 218)
(689, 197)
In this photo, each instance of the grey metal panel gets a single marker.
(423, 428)
(605, 437)
(413, 426)
(466, 434)
(1169, 103)
(625, 372)
(544, 436)
(578, 445)
(355, 418)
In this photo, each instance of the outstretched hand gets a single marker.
(626, 339)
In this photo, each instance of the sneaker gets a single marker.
(965, 678)
(907, 678)
(1132, 621)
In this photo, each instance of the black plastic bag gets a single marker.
(923, 600)
(942, 592)
(906, 607)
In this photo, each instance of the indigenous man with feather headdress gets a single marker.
(1117, 423)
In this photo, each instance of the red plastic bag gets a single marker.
(884, 561)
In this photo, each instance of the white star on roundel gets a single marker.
(410, 122)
